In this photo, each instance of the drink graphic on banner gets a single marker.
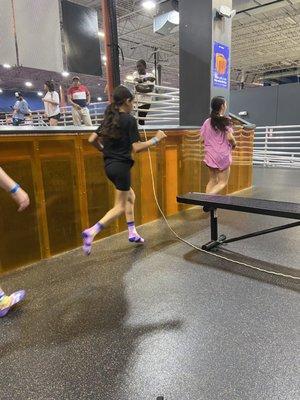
(221, 66)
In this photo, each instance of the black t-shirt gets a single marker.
(120, 149)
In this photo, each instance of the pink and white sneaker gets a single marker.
(136, 238)
(7, 302)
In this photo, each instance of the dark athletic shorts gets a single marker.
(118, 173)
(57, 117)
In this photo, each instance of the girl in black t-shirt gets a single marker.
(117, 137)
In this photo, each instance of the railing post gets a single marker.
(266, 147)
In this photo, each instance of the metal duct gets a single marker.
(167, 23)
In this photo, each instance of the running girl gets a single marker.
(217, 136)
(117, 137)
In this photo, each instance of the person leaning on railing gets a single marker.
(144, 84)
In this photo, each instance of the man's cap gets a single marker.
(75, 77)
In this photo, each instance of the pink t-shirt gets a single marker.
(217, 147)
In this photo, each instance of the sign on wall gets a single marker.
(221, 66)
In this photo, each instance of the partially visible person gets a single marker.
(22, 200)
(51, 103)
(20, 110)
(217, 136)
(144, 84)
(118, 137)
(79, 97)
(106, 89)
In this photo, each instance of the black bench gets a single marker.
(256, 206)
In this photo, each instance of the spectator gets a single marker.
(79, 97)
(21, 109)
(51, 103)
(144, 83)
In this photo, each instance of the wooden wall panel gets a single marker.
(148, 207)
(69, 191)
(19, 242)
(172, 172)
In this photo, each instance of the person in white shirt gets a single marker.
(51, 103)
(144, 84)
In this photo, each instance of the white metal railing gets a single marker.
(164, 105)
(38, 118)
(277, 146)
(164, 108)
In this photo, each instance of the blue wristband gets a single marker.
(154, 140)
(15, 189)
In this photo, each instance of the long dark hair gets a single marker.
(218, 122)
(110, 126)
(50, 86)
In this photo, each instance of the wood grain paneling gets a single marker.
(69, 191)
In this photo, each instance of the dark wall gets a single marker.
(80, 26)
(269, 105)
(195, 35)
(289, 104)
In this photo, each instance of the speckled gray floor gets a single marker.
(134, 323)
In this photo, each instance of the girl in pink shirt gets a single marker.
(217, 136)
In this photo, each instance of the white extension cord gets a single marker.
(199, 248)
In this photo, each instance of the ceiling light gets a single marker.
(101, 34)
(149, 4)
(28, 84)
(1, 91)
(6, 65)
(65, 73)
(99, 98)
(40, 94)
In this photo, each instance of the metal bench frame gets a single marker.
(211, 203)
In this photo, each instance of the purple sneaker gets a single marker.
(87, 242)
(12, 300)
(136, 239)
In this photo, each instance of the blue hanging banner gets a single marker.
(221, 66)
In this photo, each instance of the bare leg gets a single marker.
(223, 177)
(118, 209)
(129, 207)
(133, 236)
(53, 122)
(213, 180)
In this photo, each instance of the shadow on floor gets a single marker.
(73, 328)
(209, 260)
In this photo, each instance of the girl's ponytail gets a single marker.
(219, 122)
(110, 126)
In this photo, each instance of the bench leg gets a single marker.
(213, 225)
(214, 242)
